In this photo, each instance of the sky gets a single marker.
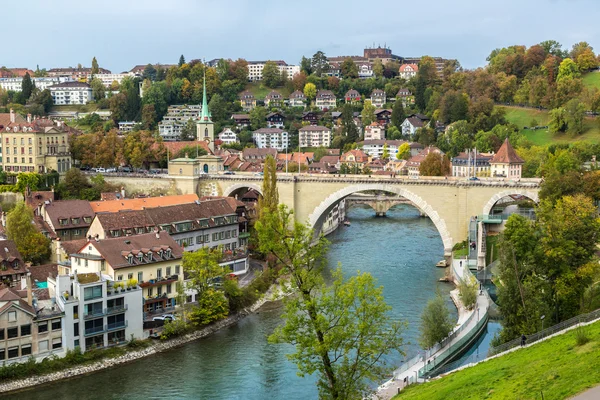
(125, 33)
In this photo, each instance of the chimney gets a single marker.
(29, 118)
(29, 295)
(12, 115)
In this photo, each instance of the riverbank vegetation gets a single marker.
(555, 369)
(436, 323)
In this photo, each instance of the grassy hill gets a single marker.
(557, 367)
(592, 79)
(522, 117)
(260, 91)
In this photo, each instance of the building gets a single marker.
(354, 157)
(172, 124)
(255, 69)
(205, 128)
(74, 73)
(405, 96)
(247, 100)
(126, 126)
(311, 117)
(68, 219)
(439, 63)
(108, 79)
(71, 93)
(15, 72)
(41, 83)
(227, 136)
(33, 144)
(365, 70)
(241, 120)
(314, 136)
(141, 203)
(378, 98)
(412, 123)
(152, 259)
(251, 154)
(408, 71)
(98, 312)
(375, 131)
(374, 148)
(138, 70)
(12, 267)
(352, 96)
(29, 326)
(325, 100)
(383, 116)
(413, 164)
(471, 163)
(275, 120)
(271, 138)
(506, 163)
(273, 99)
(297, 99)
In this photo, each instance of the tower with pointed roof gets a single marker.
(506, 163)
(205, 129)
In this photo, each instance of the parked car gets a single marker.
(111, 170)
(165, 317)
(126, 169)
(229, 173)
(99, 170)
(473, 178)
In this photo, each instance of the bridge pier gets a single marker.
(380, 213)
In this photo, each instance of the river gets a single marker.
(237, 362)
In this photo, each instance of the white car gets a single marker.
(166, 317)
(111, 170)
(99, 170)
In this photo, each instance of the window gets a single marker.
(206, 238)
(158, 273)
(168, 271)
(56, 343)
(76, 232)
(215, 237)
(2, 334)
(140, 277)
(169, 288)
(12, 316)
(234, 233)
(149, 292)
(227, 234)
(74, 221)
(130, 275)
(91, 309)
(119, 277)
(26, 350)
(13, 352)
(76, 342)
(140, 257)
(159, 291)
(43, 327)
(2, 351)
(93, 292)
(87, 220)
(149, 256)
(56, 324)
(26, 330)
(43, 345)
(13, 332)
(76, 329)
(199, 239)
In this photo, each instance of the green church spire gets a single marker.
(205, 116)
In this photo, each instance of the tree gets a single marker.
(258, 118)
(149, 117)
(434, 164)
(27, 87)
(271, 75)
(98, 89)
(403, 152)
(341, 331)
(554, 48)
(567, 69)
(435, 322)
(558, 120)
(398, 114)
(310, 91)
(149, 73)
(95, 68)
(368, 113)
(319, 153)
(181, 61)
(305, 66)
(378, 68)
(32, 245)
(349, 128)
(349, 69)
(203, 269)
(239, 70)
(270, 195)
(299, 80)
(467, 291)
(386, 152)
(319, 64)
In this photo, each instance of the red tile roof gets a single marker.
(506, 155)
(141, 203)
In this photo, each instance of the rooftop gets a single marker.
(140, 204)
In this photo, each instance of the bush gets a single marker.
(174, 328)
(467, 291)
(582, 336)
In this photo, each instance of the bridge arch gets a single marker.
(235, 188)
(421, 204)
(533, 196)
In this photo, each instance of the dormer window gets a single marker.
(141, 257)
(149, 256)
(168, 253)
(63, 221)
(160, 254)
(130, 259)
(74, 221)
(87, 220)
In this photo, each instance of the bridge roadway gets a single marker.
(448, 201)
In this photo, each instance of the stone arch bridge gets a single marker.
(448, 202)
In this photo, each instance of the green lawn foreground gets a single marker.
(557, 367)
(592, 79)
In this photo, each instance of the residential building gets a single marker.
(375, 131)
(227, 136)
(408, 71)
(126, 126)
(108, 79)
(152, 259)
(365, 70)
(378, 98)
(33, 144)
(273, 99)
(271, 138)
(74, 73)
(12, 267)
(252, 154)
(255, 69)
(41, 83)
(405, 96)
(413, 164)
(471, 163)
(247, 100)
(439, 63)
(275, 120)
(374, 148)
(311, 117)
(303, 158)
(297, 99)
(138, 70)
(241, 120)
(383, 116)
(506, 163)
(29, 326)
(412, 123)
(354, 157)
(15, 72)
(352, 96)
(172, 124)
(314, 136)
(97, 313)
(68, 219)
(71, 93)
(325, 100)
(141, 203)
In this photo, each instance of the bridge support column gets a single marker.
(380, 214)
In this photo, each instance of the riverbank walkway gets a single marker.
(408, 373)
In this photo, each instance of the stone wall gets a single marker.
(148, 185)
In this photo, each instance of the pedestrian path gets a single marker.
(591, 394)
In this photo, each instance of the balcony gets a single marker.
(116, 309)
(158, 282)
(95, 314)
(95, 330)
(116, 325)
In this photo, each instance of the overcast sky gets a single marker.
(124, 33)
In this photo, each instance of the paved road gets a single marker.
(592, 394)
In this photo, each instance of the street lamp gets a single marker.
(542, 318)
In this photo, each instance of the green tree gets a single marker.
(269, 200)
(95, 67)
(349, 69)
(368, 113)
(181, 61)
(386, 152)
(319, 153)
(349, 128)
(403, 152)
(98, 89)
(558, 120)
(434, 164)
(188, 133)
(203, 269)
(258, 118)
(149, 73)
(435, 322)
(398, 114)
(271, 75)
(310, 91)
(378, 68)
(568, 69)
(319, 64)
(305, 66)
(27, 87)
(32, 245)
(467, 291)
(340, 331)
(575, 116)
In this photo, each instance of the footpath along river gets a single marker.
(237, 362)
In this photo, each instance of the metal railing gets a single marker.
(116, 325)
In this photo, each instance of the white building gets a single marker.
(126, 126)
(314, 136)
(42, 83)
(297, 99)
(471, 163)
(255, 69)
(374, 148)
(412, 123)
(378, 98)
(97, 314)
(506, 163)
(227, 136)
(108, 79)
(172, 124)
(365, 70)
(408, 71)
(271, 138)
(71, 93)
(374, 131)
(325, 100)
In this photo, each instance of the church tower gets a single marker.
(205, 129)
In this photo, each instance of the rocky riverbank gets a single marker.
(274, 293)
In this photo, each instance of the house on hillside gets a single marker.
(275, 120)
(325, 100)
(378, 98)
(247, 100)
(273, 99)
(311, 117)
(408, 71)
(297, 99)
(241, 121)
(412, 123)
(352, 96)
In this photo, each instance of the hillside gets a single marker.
(260, 91)
(523, 117)
(557, 367)
(592, 79)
